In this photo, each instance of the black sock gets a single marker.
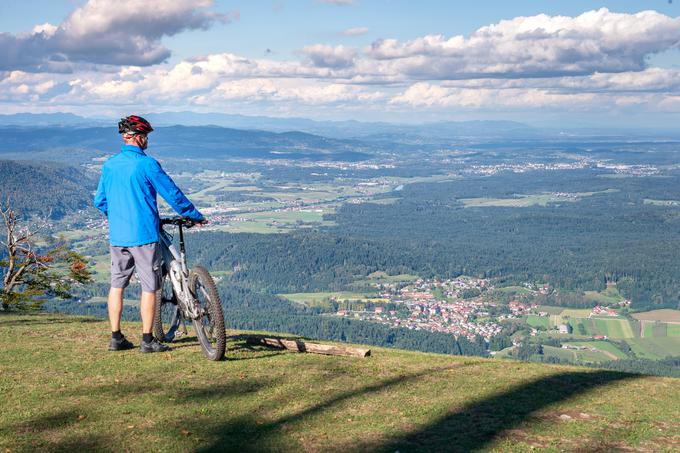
(117, 335)
(147, 337)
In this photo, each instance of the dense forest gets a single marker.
(573, 245)
(45, 189)
(249, 310)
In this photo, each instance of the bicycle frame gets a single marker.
(175, 266)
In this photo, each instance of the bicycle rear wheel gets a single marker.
(167, 317)
(210, 325)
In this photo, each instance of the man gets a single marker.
(126, 194)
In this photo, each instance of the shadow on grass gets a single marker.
(479, 423)
(47, 422)
(241, 345)
(259, 352)
(469, 429)
(245, 433)
(187, 391)
(38, 433)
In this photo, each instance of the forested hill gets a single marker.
(44, 188)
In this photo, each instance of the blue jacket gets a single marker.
(127, 192)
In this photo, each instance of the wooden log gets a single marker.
(303, 346)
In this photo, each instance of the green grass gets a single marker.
(550, 309)
(614, 328)
(607, 347)
(583, 356)
(383, 277)
(522, 201)
(61, 391)
(101, 268)
(538, 321)
(610, 296)
(655, 348)
(576, 312)
(588, 326)
(673, 330)
(514, 290)
(321, 299)
(564, 354)
(647, 329)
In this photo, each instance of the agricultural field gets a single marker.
(613, 328)
(655, 348)
(607, 348)
(322, 299)
(522, 201)
(538, 321)
(550, 309)
(583, 326)
(582, 356)
(380, 277)
(291, 218)
(665, 315)
(514, 290)
(656, 329)
(609, 296)
(576, 313)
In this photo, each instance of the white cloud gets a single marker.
(106, 32)
(536, 46)
(355, 31)
(423, 94)
(593, 62)
(337, 2)
(330, 57)
(47, 29)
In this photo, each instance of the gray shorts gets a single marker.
(143, 260)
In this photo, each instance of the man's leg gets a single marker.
(148, 266)
(147, 308)
(122, 266)
(115, 308)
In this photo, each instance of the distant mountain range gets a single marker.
(375, 132)
(334, 129)
(181, 141)
(49, 119)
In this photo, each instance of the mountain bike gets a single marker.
(187, 295)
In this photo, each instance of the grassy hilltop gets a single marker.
(61, 390)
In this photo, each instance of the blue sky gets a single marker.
(565, 61)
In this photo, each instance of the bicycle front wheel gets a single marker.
(167, 317)
(210, 325)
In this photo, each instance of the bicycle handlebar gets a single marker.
(179, 220)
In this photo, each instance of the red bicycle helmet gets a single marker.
(134, 125)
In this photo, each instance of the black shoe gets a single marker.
(120, 345)
(153, 346)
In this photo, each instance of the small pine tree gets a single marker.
(31, 275)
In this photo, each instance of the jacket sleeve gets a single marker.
(100, 201)
(167, 189)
